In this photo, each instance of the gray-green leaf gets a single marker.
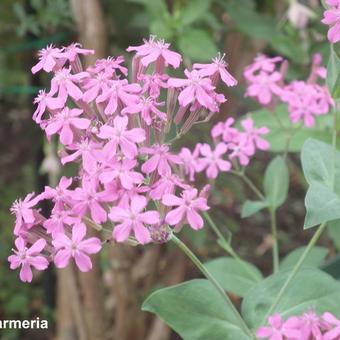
(276, 182)
(250, 208)
(195, 310)
(233, 276)
(310, 289)
(323, 176)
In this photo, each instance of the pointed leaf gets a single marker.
(234, 277)
(252, 207)
(315, 258)
(310, 289)
(276, 181)
(195, 310)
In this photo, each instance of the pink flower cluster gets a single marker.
(308, 326)
(331, 17)
(230, 144)
(305, 99)
(129, 181)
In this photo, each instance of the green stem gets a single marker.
(275, 247)
(251, 185)
(295, 270)
(227, 246)
(213, 281)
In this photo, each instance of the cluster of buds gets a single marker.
(129, 182)
(305, 99)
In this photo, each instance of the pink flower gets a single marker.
(305, 101)
(189, 161)
(118, 92)
(147, 107)
(254, 134)
(95, 85)
(156, 51)
(109, 66)
(24, 212)
(218, 68)
(196, 87)
(27, 258)
(225, 130)
(187, 209)
(58, 219)
(87, 198)
(280, 329)
(159, 160)
(212, 159)
(60, 194)
(122, 170)
(261, 63)
(119, 135)
(76, 247)
(241, 148)
(165, 185)
(72, 51)
(64, 83)
(264, 86)
(132, 218)
(44, 100)
(311, 326)
(152, 83)
(334, 333)
(331, 17)
(85, 150)
(65, 123)
(50, 59)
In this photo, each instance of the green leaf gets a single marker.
(315, 258)
(248, 21)
(333, 73)
(252, 207)
(333, 230)
(197, 45)
(309, 289)
(288, 135)
(276, 182)
(195, 10)
(195, 310)
(322, 202)
(233, 276)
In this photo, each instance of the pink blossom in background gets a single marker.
(188, 207)
(77, 247)
(133, 219)
(331, 17)
(225, 130)
(264, 86)
(279, 329)
(254, 135)
(212, 161)
(190, 160)
(27, 258)
(308, 326)
(334, 332)
(306, 101)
